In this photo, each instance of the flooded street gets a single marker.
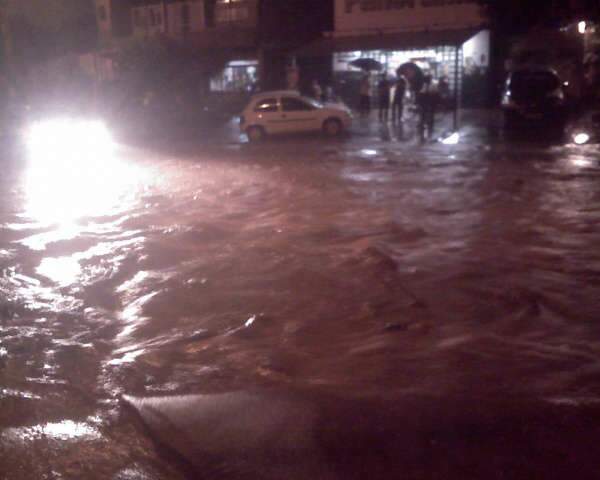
(442, 279)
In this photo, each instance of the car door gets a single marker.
(268, 115)
(298, 115)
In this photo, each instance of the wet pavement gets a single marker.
(447, 279)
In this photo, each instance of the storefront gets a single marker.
(444, 38)
(237, 76)
(438, 61)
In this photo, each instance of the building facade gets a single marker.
(222, 31)
(446, 39)
(364, 16)
(113, 20)
(174, 19)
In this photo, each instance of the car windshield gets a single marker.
(527, 83)
(312, 102)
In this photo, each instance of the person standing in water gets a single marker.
(383, 89)
(365, 96)
(398, 103)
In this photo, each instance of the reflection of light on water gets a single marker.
(63, 270)
(30, 293)
(69, 429)
(574, 401)
(133, 314)
(65, 430)
(134, 282)
(127, 357)
(39, 241)
(369, 152)
(7, 392)
(580, 161)
(73, 171)
(250, 321)
(134, 310)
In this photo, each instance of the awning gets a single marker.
(387, 41)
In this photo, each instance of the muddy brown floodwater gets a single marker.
(448, 278)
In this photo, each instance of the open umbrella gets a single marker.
(413, 74)
(367, 64)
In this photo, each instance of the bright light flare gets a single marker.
(64, 141)
(73, 171)
(581, 138)
(581, 27)
(451, 139)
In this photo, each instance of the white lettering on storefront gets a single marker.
(382, 5)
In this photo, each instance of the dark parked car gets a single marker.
(534, 96)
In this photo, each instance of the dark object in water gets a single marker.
(299, 436)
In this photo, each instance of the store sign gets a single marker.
(411, 14)
(377, 5)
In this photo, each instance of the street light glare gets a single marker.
(582, 26)
(581, 138)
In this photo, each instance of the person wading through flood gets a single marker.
(383, 89)
(398, 103)
(365, 96)
(427, 100)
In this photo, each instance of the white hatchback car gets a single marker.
(286, 111)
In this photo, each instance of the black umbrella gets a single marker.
(413, 74)
(367, 64)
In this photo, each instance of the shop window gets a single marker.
(267, 105)
(289, 104)
(237, 76)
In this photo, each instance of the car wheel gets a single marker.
(255, 134)
(332, 127)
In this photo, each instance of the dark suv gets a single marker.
(534, 96)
